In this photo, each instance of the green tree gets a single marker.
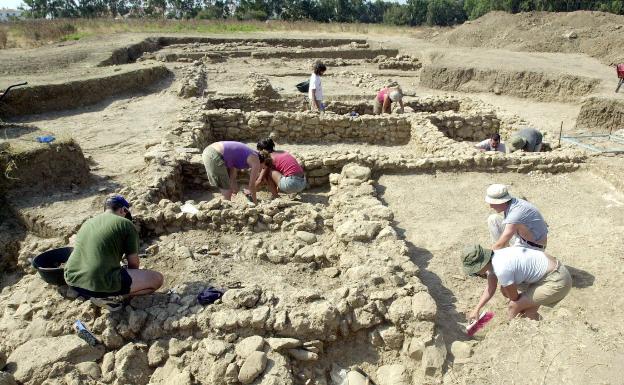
(397, 14)
(445, 12)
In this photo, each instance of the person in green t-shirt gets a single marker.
(94, 267)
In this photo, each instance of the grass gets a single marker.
(34, 33)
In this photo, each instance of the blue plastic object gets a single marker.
(46, 139)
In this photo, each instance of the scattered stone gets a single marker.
(34, 359)
(280, 344)
(177, 347)
(157, 353)
(393, 375)
(246, 297)
(249, 345)
(7, 379)
(424, 306)
(433, 358)
(215, 347)
(461, 350)
(90, 369)
(253, 366)
(302, 355)
(132, 365)
(307, 237)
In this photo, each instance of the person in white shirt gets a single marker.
(548, 280)
(491, 144)
(315, 90)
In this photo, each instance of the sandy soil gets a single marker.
(446, 212)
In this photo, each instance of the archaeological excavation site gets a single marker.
(355, 280)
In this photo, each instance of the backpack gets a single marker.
(303, 86)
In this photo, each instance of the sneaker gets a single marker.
(108, 303)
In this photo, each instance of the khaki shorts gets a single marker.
(552, 288)
(215, 168)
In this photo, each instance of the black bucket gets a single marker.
(48, 265)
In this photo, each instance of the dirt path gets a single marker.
(585, 215)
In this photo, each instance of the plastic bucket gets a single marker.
(48, 265)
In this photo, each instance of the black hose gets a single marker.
(6, 92)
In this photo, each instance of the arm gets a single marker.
(254, 162)
(510, 292)
(401, 104)
(233, 172)
(133, 261)
(503, 241)
(261, 176)
(488, 293)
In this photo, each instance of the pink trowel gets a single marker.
(478, 324)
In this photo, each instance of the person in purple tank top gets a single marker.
(223, 160)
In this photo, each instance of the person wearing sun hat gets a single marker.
(521, 223)
(384, 99)
(548, 280)
(94, 268)
(527, 139)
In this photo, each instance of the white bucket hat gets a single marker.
(396, 95)
(497, 194)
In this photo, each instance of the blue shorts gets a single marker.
(292, 184)
(126, 282)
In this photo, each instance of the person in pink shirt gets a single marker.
(384, 99)
(281, 171)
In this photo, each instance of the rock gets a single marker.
(400, 311)
(215, 347)
(231, 373)
(307, 237)
(253, 366)
(177, 347)
(131, 364)
(246, 297)
(416, 348)
(357, 230)
(157, 353)
(249, 345)
(434, 357)
(392, 337)
(302, 355)
(461, 350)
(423, 306)
(136, 320)
(108, 363)
(90, 369)
(393, 375)
(33, 360)
(355, 171)
(355, 378)
(3, 359)
(279, 344)
(277, 371)
(7, 379)
(570, 35)
(172, 373)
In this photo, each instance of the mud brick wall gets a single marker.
(307, 127)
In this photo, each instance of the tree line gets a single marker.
(410, 12)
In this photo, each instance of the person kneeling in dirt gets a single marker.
(527, 139)
(521, 224)
(281, 171)
(223, 160)
(491, 144)
(384, 99)
(548, 280)
(93, 268)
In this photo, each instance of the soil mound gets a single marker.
(596, 34)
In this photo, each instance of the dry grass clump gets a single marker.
(3, 37)
(33, 33)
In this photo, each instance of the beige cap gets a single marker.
(497, 194)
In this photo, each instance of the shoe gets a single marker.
(109, 303)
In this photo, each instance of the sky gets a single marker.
(10, 3)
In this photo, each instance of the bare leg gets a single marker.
(273, 182)
(144, 281)
(227, 194)
(523, 306)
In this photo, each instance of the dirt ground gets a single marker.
(445, 212)
(578, 342)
